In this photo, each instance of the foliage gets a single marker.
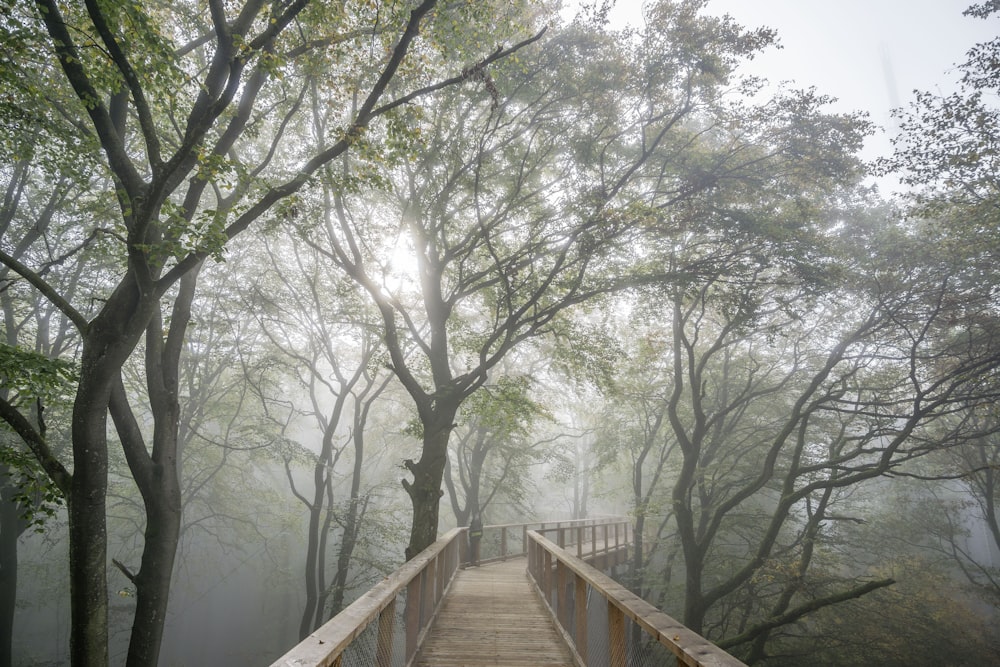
(37, 498)
(947, 146)
(32, 376)
(37, 381)
(447, 194)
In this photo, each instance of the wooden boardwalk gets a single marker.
(492, 616)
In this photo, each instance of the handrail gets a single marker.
(510, 540)
(615, 534)
(563, 580)
(406, 601)
(423, 581)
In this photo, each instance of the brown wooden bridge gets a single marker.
(538, 597)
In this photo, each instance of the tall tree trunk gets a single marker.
(106, 346)
(12, 525)
(88, 534)
(356, 508)
(156, 473)
(312, 555)
(163, 521)
(428, 473)
(319, 523)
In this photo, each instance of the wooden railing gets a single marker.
(386, 625)
(390, 618)
(592, 539)
(510, 540)
(604, 623)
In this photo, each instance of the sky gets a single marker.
(842, 46)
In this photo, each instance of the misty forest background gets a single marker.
(261, 261)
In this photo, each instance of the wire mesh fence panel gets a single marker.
(362, 652)
(643, 650)
(515, 542)
(399, 657)
(489, 545)
(598, 643)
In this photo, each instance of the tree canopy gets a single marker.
(296, 249)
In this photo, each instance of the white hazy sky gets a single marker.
(838, 45)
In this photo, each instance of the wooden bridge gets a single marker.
(537, 597)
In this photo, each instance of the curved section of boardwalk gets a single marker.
(492, 616)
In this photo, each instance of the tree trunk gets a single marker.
(163, 522)
(156, 472)
(355, 511)
(87, 528)
(312, 555)
(12, 525)
(103, 355)
(428, 473)
(320, 518)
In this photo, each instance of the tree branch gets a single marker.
(72, 65)
(799, 612)
(36, 442)
(56, 299)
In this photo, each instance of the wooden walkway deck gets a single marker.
(492, 616)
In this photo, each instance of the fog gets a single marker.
(287, 296)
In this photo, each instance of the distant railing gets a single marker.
(604, 623)
(510, 540)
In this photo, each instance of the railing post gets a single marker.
(580, 612)
(426, 595)
(524, 538)
(536, 561)
(616, 635)
(503, 543)
(452, 553)
(547, 574)
(439, 577)
(530, 548)
(562, 601)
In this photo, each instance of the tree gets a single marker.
(175, 122)
(35, 336)
(977, 464)
(494, 448)
(778, 403)
(947, 152)
(526, 200)
(332, 349)
(946, 148)
(634, 432)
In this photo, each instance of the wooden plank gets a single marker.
(493, 617)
